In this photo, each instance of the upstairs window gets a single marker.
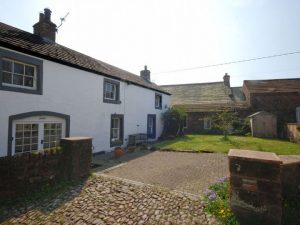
(111, 90)
(17, 74)
(20, 73)
(158, 101)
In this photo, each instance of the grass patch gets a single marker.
(217, 202)
(216, 143)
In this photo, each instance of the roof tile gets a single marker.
(16, 39)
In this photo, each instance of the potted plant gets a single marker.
(118, 152)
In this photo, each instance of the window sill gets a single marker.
(20, 89)
(158, 107)
(112, 101)
(116, 143)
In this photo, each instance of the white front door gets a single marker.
(37, 133)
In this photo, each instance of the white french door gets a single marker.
(32, 134)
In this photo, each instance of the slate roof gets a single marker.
(271, 86)
(206, 97)
(25, 42)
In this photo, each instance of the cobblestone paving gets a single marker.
(104, 200)
(187, 172)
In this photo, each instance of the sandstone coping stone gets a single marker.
(254, 155)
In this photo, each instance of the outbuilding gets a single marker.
(263, 124)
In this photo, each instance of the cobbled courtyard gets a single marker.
(106, 200)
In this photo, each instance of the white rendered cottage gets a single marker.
(48, 92)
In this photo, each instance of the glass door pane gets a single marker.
(26, 137)
(52, 135)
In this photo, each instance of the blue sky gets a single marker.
(175, 34)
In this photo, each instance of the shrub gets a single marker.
(241, 126)
(217, 202)
(224, 121)
(173, 125)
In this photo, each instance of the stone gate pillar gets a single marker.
(76, 157)
(255, 181)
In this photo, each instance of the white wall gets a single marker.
(80, 94)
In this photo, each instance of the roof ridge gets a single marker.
(28, 43)
(275, 79)
(216, 82)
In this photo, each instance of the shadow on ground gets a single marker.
(44, 201)
(108, 161)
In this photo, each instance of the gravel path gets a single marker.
(104, 200)
(187, 172)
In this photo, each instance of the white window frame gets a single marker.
(205, 123)
(40, 120)
(58, 127)
(158, 101)
(30, 138)
(34, 77)
(114, 91)
(116, 128)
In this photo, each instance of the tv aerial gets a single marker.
(63, 19)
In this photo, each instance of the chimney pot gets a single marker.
(145, 74)
(47, 14)
(42, 16)
(226, 79)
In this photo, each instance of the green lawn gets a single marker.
(216, 143)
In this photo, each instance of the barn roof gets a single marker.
(205, 97)
(271, 86)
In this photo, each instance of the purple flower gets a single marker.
(211, 195)
(222, 180)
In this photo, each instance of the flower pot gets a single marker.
(118, 152)
(131, 148)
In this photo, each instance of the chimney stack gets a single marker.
(145, 74)
(45, 27)
(226, 79)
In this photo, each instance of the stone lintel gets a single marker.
(267, 157)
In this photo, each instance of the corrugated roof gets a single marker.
(271, 86)
(22, 41)
(204, 97)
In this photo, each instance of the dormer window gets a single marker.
(111, 90)
(158, 101)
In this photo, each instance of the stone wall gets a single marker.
(260, 183)
(22, 174)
